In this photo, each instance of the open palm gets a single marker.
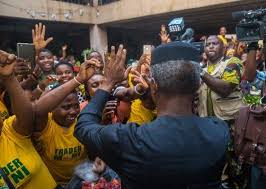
(38, 37)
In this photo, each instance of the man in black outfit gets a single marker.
(177, 150)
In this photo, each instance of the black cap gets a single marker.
(174, 51)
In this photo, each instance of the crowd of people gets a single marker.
(165, 122)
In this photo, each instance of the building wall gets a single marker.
(27, 8)
(113, 12)
(129, 9)
(132, 22)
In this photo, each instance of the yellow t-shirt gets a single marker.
(62, 151)
(21, 162)
(139, 114)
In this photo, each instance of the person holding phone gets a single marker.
(43, 72)
(45, 58)
(21, 165)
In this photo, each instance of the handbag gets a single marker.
(250, 135)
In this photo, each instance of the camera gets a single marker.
(178, 32)
(252, 25)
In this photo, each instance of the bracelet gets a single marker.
(137, 92)
(75, 79)
(39, 88)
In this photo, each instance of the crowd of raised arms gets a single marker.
(166, 121)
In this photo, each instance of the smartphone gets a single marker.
(147, 49)
(27, 52)
(85, 57)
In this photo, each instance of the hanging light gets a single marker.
(97, 13)
(53, 16)
(42, 14)
(81, 12)
(68, 15)
(32, 14)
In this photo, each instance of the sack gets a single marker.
(250, 135)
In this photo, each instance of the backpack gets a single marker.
(250, 135)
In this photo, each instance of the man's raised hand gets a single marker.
(87, 70)
(38, 37)
(114, 70)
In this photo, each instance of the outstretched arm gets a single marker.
(89, 130)
(50, 100)
(21, 104)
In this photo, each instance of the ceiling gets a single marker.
(203, 20)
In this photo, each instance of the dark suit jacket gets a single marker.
(170, 152)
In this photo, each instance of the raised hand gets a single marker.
(144, 63)
(7, 64)
(109, 111)
(164, 36)
(141, 82)
(64, 47)
(38, 37)
(114, 69)
(87, 69)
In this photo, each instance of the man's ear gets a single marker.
(154, 88)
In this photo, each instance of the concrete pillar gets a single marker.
(98, 39)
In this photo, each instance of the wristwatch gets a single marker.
(202, 73)
(253, 46)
